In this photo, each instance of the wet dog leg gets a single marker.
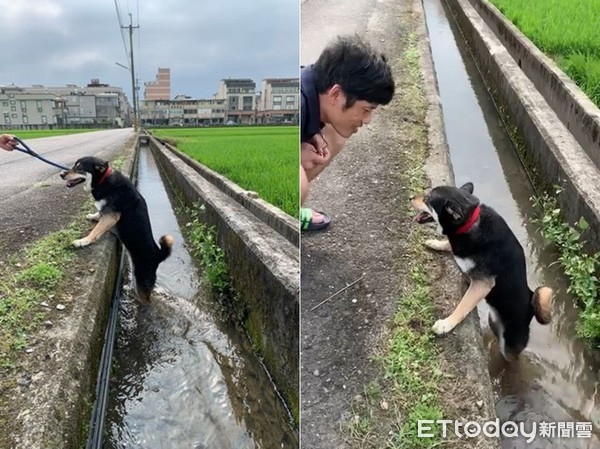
(106, 222)
(477, 291)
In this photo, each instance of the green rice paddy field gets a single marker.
(568, 31)
(261, 159)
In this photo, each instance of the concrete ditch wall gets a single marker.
(270, 215)
(578, 113)
(550, 147)
(264, 267)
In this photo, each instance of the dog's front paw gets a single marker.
(81, 243)
(94, 217)
(438, 245)
(442, 327)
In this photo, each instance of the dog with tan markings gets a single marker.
(121, 206)
(489, 254)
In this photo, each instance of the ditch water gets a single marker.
(183, 377)
(556, 378)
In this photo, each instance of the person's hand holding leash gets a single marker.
(8, 142)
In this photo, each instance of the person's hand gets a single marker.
(8, 142)
(309, 157)
(320, 145)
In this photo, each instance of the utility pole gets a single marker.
(132, 67)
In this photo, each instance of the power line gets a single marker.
(121, 26)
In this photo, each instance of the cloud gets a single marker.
(54, 42)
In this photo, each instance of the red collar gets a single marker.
(107, 172)
(470, 222)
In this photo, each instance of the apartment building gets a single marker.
(240, 97)
(279, 101)
(160, 88)
(94, 104)
(22, 109)
(182, 111)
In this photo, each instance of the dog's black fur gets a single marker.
(493, 251)
(115, 193)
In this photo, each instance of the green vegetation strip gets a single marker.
(412, 377)
(567, 31)
(27, 281)
(262, 159)
(412, 363)
(580, 268)
(205, 249)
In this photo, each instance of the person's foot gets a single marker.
(313, 221)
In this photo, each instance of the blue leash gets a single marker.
(30, 152)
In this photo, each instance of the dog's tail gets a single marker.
(541, 300)
(166, 244)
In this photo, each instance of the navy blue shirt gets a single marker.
(310, 120)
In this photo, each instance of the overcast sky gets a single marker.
(58, 42)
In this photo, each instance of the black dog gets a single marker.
(487, 251)
(119, 204)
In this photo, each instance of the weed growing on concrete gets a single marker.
(580, 267)
(203, 241)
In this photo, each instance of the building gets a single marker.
(279, 101)
(182, 111)
(160, 89)
(96, 104)
(240, 100)
(236, 102)
(26, 110)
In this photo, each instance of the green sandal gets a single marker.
(306, 220)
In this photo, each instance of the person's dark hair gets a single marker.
(363, 73)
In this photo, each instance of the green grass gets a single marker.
(26, 281)
(260, 159)
(567, 31)
(37, 133)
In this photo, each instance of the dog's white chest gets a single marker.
(100, 204)
(465, 264)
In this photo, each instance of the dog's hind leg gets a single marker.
(497, 327)
(93, 217)
(144, 283)
(477, 291)
(438, 245)
(106, 222)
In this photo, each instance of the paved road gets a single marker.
(323, 20)
(33, 198)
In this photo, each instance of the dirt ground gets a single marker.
(40, 405)
(365, 192)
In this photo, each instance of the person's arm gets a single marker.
(8, 142)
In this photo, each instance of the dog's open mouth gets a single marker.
(74, 182)
(423, 217)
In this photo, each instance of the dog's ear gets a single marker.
(454, 209)
(468, 187)
(101, 166)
